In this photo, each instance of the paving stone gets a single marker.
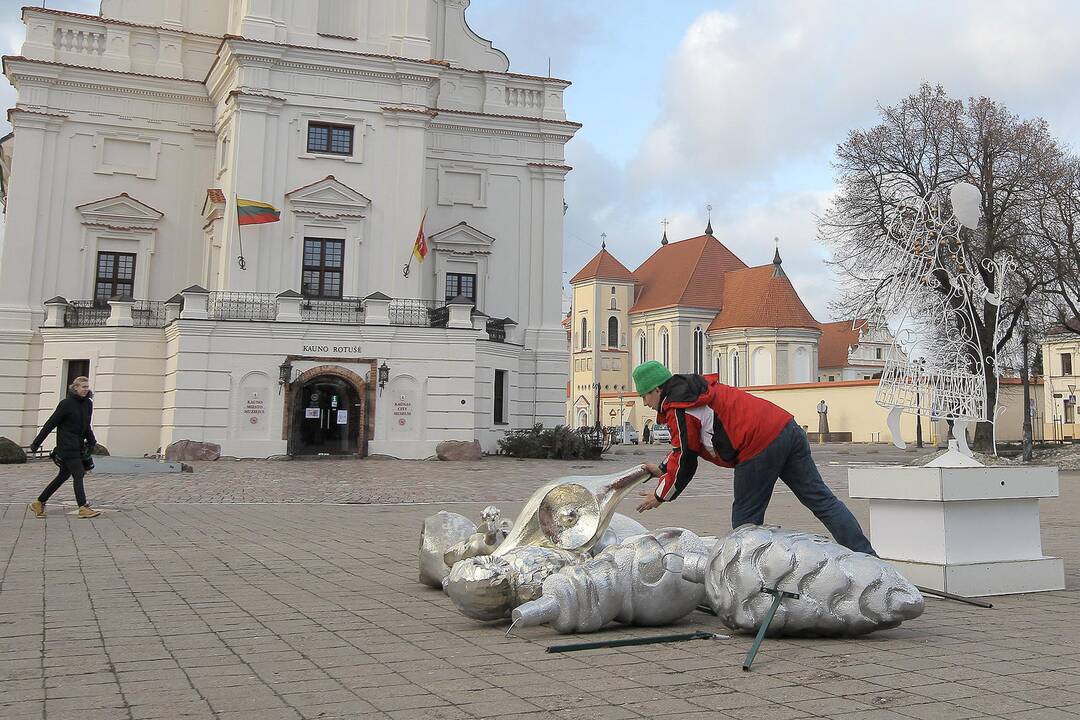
(186, 597)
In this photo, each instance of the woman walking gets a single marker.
(71, 420)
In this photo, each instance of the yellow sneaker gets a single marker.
(87, 512)
(38, 508)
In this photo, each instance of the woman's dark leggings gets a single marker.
(71, 468)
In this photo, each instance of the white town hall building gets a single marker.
(136, 131)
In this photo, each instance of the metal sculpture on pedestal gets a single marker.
(936, 291)
(840, 592)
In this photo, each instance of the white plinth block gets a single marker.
(966, 530)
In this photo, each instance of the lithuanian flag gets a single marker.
(253, 212)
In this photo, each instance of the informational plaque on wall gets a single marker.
(342, 417)
(311, 413)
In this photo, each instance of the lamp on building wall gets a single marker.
(384, 375)
(285, 372)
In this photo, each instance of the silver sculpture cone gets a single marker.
(638, 582)
(439, 532)
(571, 513)
(841, 592)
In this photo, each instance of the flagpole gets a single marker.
(239, 233)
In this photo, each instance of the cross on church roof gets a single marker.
(603, 241)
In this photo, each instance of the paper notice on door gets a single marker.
(342, 417)
(311, 413)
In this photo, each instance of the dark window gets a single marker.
(500, 397)
(1066, 363)
(460, 284)
(613, 332)
(877, 353)
(77, 368)
(333, 139)
(323, 263)
(115, 276)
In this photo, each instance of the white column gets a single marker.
(120, 312)
(403, 175)
(288, 306)
(196, 303)
(377, 309)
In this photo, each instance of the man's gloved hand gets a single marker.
(34, 448)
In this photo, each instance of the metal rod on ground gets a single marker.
(950, 596)
(779, 596)
(699, 635)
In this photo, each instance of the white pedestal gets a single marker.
(970, 531)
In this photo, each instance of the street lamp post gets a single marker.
(918, 405)
(596, 388)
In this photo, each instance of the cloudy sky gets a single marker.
(741, 104)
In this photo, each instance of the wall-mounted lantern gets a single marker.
(384, 375)
(285, 373)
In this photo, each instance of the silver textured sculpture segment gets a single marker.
(487, 537)
(841, 593)
(934, 293)
(489, 587)
(439, 532)
(638, 582)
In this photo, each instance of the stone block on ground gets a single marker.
(10, 452)
(458, 450)
(192, 450)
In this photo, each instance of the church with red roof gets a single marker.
(696, 307)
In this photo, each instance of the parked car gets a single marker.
(660, 433)
(626, 435)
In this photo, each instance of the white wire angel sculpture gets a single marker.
(937, 293)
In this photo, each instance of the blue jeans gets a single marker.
(788, 458)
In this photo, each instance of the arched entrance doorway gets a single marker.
(327, 416)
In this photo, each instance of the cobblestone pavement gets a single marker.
(269, 590)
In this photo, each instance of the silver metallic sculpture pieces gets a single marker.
(559, 525)
(841, 593)
(569, 561)
(439, 532)
(935, 292)
(487, 537)
(638, 582)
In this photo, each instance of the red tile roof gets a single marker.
(688, 273)
(1069, 326)
(215, 195)
(604, 266)
(761, 297)
(837, 339)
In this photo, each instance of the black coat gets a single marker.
(71, 419)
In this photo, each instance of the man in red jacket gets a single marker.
(732, 428)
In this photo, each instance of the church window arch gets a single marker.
(613, 332)
(642, 356)
(699, 350)
(584, 333)
(665, 348)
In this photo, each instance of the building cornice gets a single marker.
(440, 64)
(112, 21)
(21, 58)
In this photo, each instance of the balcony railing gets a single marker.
(263, 307)
(344, 310)
(416, 313)
(241, 306)
(86, 313)
(496, 330)
(148, 313)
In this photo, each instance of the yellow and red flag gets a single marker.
(420, 248)
(253, 212)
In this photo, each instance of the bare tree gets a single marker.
(925, 144)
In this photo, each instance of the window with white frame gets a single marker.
(584, 333)
(664, 348)
(613, 332)
(460, 284)
(641, 347)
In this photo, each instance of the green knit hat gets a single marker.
(650, 375)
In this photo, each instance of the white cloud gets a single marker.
(758, 95)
